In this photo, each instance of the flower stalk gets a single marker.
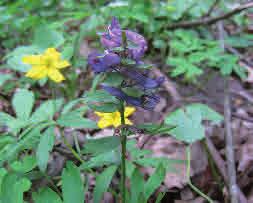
(123, 135)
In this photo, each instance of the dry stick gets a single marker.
(212, 8)
(228, 130)
(221, 166)
(211, 20)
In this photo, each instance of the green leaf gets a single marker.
(5, 140)
(106, 107)
(113, 79)
(160, 197)
(44, 148)
(72, 185)
(155, 129)
(101, 145)
(14, 59)
(6, 119)
(27, 164)
(99, 96)
(4, 78)
(46, 111)
(68, 107)
(52, 38)
(188, 122)
(137, 186)
(168, 164)
(3, 172)
(75, 119)
(13, 188)
(102, 183)
(28, 141)
(104, 159)
(22, 103)
(46, 195)
(154, 181)
(130, 167)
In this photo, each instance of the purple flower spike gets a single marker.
(102, 63)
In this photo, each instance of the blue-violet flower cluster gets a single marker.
(121, 45)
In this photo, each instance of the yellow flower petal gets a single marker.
(117, 122)
(128, 122)
(62, 64)
(55, 75)
(52, 53)
(100, 114)
(104, 123)
(37, 72)
(32, 59)
(129, 111)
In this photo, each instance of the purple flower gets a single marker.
(139, 45)
(136, 43)
(147, 102)
(141, 79)
(113, 37)
(150, 101)
(103, 62)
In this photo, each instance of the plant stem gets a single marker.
(188, 174)
(123, 153)
(76, 155)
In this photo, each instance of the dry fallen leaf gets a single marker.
(173, 149)
(246, 156)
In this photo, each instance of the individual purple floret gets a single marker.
(136, 44)
(103, 62)
(150, 101)
(142, 80)
(147, 102)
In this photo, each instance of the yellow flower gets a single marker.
(114, 119)
(47, 64)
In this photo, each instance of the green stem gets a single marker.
(123, 153)
(76, 155)
(188, 173)
(52, 184)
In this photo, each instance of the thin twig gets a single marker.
(211, 20)
(228, 130)
(221, 166)
(212, 7)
